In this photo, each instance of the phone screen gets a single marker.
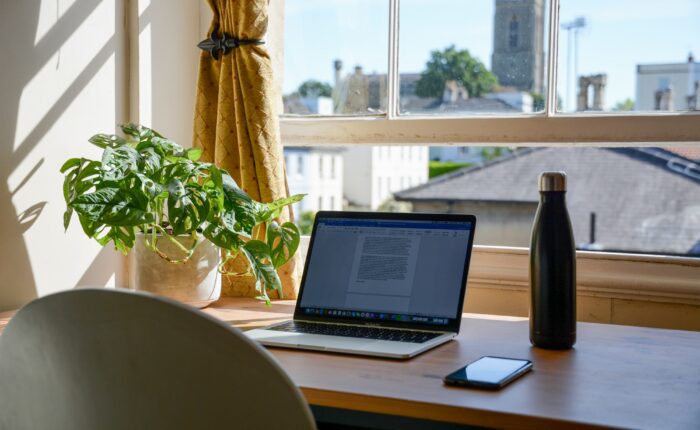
(489, 372)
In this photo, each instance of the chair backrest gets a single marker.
(115, 359)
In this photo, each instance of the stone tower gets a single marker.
(518, 44)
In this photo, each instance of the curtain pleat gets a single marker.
(236, 121)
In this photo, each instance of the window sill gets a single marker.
(621, 276)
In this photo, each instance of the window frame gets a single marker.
(548, 128)
(653, 277)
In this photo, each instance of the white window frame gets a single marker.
(628, 276)
(548, 128)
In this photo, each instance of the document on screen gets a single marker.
(383, 266)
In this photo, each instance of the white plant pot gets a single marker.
(195, 282)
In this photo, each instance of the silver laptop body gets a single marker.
(397, 278)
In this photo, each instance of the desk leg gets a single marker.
(344, 419)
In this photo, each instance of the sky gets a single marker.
(619, 35)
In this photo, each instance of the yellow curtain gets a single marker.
(236, 120)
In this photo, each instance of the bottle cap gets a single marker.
(553, 181)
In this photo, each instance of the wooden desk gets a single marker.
(616, 376)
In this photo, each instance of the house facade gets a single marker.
(318, 173)
(671, 86)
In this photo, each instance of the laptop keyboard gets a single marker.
(363, 332)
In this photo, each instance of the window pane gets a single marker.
(628, 55)
(636, 200)
(475, 57)
(335, 57)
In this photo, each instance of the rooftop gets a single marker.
(645, 199)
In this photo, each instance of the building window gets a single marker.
(320, 166)
(513, 33)
(300, 165)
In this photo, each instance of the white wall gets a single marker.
(318, 173)
(374, 173)
(70, 71)
(357, 175)
(62, 80)
(165, 63)
(677, 75)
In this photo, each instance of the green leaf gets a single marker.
(183, 170)
(232, 190)
(81, 175)
(111, 206)
(237, 201)
(168, 147)
(122, 237)
(71, 163)
(194, 154)
(258, 254)
(283, 241)
(107, 141)
(221, 237)
(188, 206)
(269, 211)
(118, 162)
(213, 186)
(216, 176)
(138, 131)
(151, 161)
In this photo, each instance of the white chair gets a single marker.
(112, 359)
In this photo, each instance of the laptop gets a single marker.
(381, 284)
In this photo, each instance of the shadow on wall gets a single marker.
(24, 56)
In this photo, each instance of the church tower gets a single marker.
(518, 44)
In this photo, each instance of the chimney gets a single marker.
(453, 92)
(599, 83)
(338, 66)
(583, 83)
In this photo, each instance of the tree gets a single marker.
(315, 88)
(458, 65)
(537, 101)
(490, 153)
(306, 222)
(624, 106)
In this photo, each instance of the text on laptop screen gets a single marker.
(403, 270)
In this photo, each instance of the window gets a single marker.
(511, 53)
(476, 113)
(513, 33)
(300, 164)
(340, 71)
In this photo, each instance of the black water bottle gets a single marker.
(552, 268)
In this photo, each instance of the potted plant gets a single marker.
(149, 193)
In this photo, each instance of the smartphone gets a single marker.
(491, 373)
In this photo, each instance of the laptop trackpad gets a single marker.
(313, 341)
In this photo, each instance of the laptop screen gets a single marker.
(395, 268)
